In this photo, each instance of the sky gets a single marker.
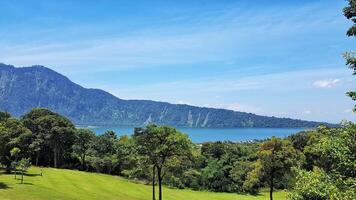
(274, 58)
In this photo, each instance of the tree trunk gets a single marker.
(55, 158)
(21, 176)
(15, 173)
(153, 183)
(37, 157)
(83, 162)
(159, 170)
(271, 187)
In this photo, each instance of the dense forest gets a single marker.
(316, 164)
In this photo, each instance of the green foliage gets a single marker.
(15, 151)
(350, 13)
(163, 153)
(4, 116)
(319, 185)
(213, 176)
(253, 181)
(162, 145)
(238, 173)
(102, 155)
(83, 142)
(48, 128)
(299, 140)
(276, 157)
(333, 155)
(226, 166)
(24, 164)
(313, 185)
(13, 135)
(350, 58)
(334, 150)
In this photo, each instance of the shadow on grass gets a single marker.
(31, 175)
(3, 186)
(18, 174)
(251, 194)
(25, 183)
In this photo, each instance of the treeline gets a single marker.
(316, 164)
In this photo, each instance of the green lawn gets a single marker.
(70, 184)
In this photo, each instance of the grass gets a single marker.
(59, 184)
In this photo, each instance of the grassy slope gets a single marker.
(69, 184)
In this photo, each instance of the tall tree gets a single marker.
(83, 141)
(12, 134)
(24, 164)
(51, 131)
(160, 144)
(15, 153)
(65, 136)
(350, 13)
(103, 153)
(146, 141)
(276, 157)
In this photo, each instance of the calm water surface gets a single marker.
(215, 134)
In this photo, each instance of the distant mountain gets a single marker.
(22, 89)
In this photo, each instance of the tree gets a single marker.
(128, 158)
(62, 134)
(333, 152)
(51, 131)
(83, 142)
(24, 164)
(276, 157)
(36, 146)
(102, 155)
(312, 185)
(239, 174)
(12, 134)
(213, 149)
(4, 116)
(160, 144)
(253, 179)
(299, 140)
(350, 13)
(15, 153)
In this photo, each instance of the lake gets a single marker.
(199, 135)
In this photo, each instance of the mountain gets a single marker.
(22, 89)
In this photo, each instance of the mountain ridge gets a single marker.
(24, 88)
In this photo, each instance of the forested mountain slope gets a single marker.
(22, 89)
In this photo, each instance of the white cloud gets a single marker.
(307, 112)
(326, 83)
(217, 88)
(348, 111)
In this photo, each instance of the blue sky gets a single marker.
(276, 58)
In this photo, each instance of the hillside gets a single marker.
(22, 89)
(59, 184)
